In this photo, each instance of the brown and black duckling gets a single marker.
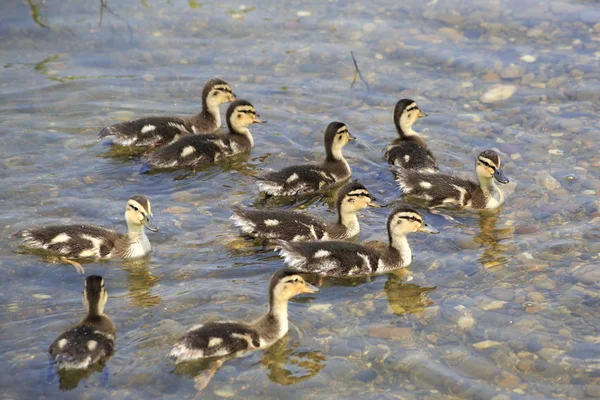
(295, 226)
(90, 341)
(301, 179)
(91, 241)
(337, 258)
(452, 191)
(158, 131)
(209, 149)
(219, 339)
(409, 151)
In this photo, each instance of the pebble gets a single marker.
(466, 322)
(497, 93)
(589, 274)
(528, 58)
(486, 344)
(513, 71)
(494, 305)
(304, 13)
(543, 282)
(225, 391)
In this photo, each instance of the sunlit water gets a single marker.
(498, 304)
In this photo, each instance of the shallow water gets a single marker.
(498, 304)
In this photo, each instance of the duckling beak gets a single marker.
(500, 177)
(350, 137)
(308, 288)
(374, 203)
(232, 96)
(257, 120)
(427, 229)
(148, 222)
(421, 114)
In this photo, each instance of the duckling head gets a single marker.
(336, 137)
(216, 92)
(403, 221)
(353, 197)
(94, 295)
(138, 213)
(287, 283)
(488, 167)
(240, 115)
(406, 113)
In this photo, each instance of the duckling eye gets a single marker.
(239, 116)
(215, 93)
(134, 207)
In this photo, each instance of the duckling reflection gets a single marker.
(140, 282)
(406, 298)
(288, 366)
(491, 238)
(90, 343)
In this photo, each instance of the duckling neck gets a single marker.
(138, 244)
(406, 132)
(210, 112)
(245, 132)
(274, 324)
(400, 244)
(349, 220)
(335, 154)
(491, 192)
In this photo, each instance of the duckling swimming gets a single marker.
(157, 131)
(409, 151)
(90, 341)
(336, 258)
(219, 339)
(311, 178)
(90, 241)
(452, 191)
(209, 149)
(295, 226)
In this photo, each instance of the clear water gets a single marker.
(498, 304)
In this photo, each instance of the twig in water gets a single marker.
(103, 5)
(358, 74)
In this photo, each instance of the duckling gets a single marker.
(409, 151)
(90, 241)
(448, 190)
(90, 341)
(311, 178)
(157, 131)
(202, 149)
(295, 226)
(219, 339)
(338, 258)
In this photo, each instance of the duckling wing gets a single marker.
(215, 339)
(147, 131)
(334, 258)
(284, 225)
(411, 156)
(298, 178)
(437, 189)
(191, 150)
(74, 241)
(80, 347)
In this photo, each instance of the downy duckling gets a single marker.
(452, 191)
(311, 178)
(409, 151)
(90, 241)
(295, 226)
(157, 131)
(91, 340)
(338, 258)
(219, 339)
(206, 149)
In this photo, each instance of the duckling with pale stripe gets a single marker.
(295, 226)
(336, 258)
(90, 341)
(219, 339)
(409, 150)
(452, 191)
(158, 131)
(301, 179)
(90, 241)
(209, 149)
